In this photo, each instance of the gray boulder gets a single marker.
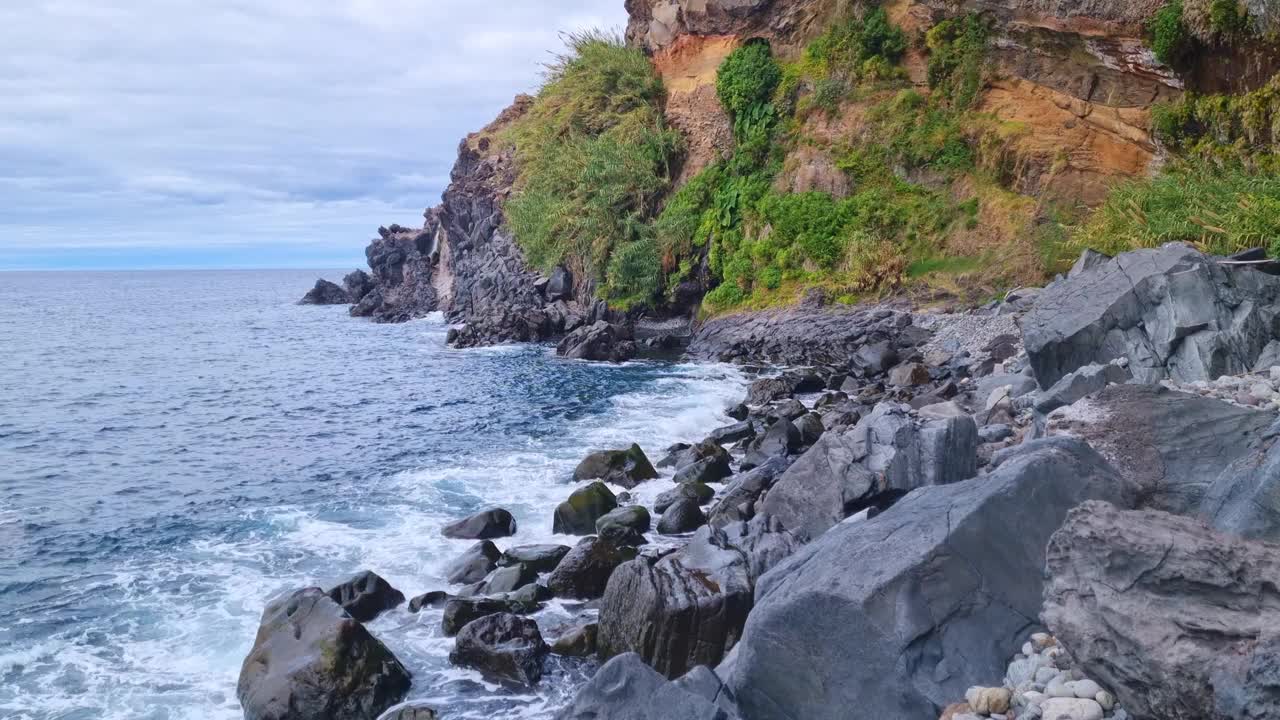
(729, 434)
(601, 341)
(495, 523)
(1172, 311)
(458, 612)
(781, 439)
(742, 491)
(898, 615)
(634, 517)
(626, 689)
(685, 515)
(1080, 384)
(1244, 500)
(688, 608)
(585, 571)
(473, 565)
(541, 558)
(586, 505)
(887, 450)
(698, 492)
(509, 579)
(311, 660)
(411, 712)
(1173, 444)
(505, 647)
(627, 468)
(366, 596)
(1179, 621)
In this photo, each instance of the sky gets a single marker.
(247, 133)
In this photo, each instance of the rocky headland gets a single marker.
(1057, 504)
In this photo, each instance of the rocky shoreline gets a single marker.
(906, 506)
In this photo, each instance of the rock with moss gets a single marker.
(634, 517)
(313, 661)
(504, 647)
(627, 468)
(578, 514)
(585, 571)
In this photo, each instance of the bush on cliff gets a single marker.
(593, 157)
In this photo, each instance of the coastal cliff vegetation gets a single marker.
(924, 200)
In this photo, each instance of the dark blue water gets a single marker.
(178, 447)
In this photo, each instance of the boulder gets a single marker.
(1244, 499)
(577, 641)
(789, 409)
(578, 514)
(311, 660)
(1080, 384)
(509, 579)
(766, 390)
(1173, 444)
(730, 434)
(688, 608)
(909, 375)
(810, 427)
(707, 470)
(495, 523)
(560, 285)
(433, 599)
(626, 689)
(326, 293)
(743, 490)
(899, 614)
(635, 517)
(685, 515)
(458, 612)
(541, 558)
(473, 565)
(627, 468)
(601, 341)
(782, 439)
(585, 571)
(1178, 620)
(1172, 311)
(505, 647)
(698, 492)
(411, 712)
(885, 451)
(366, 596)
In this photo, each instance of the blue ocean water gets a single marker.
(178, 447)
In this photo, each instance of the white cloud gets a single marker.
(189, 123)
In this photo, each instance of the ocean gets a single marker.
(176, 448)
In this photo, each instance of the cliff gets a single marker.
(1046, 116)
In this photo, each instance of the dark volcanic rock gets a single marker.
(898, 615)
(634, 517)
(1244, 500)
(685, 515)
(460, 611)
(688, 608)
(326, 293)
(505, 647)
(433, 599)
(1172, 311)
(412, 712)
(600, 341)
(782, 439)
(729, 434)
(585, 571)
(578, 514)
(358, 284)
(311, 660)
(742, 491)
(698, 492)
(495, 523)
(509, 579)
(1173, 444)
(577, 642)
(627, 468)
(803, 335)
(473, 565)
(366, 596)
(626, 689)
(542, 558)
(560, 285)
(1177, 620)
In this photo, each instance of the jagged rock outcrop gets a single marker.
(1179, 621)
(1172, 312)
(313, 661)
(944, 587)
(326, 293)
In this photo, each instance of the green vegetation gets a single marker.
(1171, 40)
(958, 49)
(853, 52)
(1221, 210)
(1228, 19)
(1227, 129)
(594, 157)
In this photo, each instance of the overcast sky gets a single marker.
(247, 133)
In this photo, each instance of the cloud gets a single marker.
(141, 125)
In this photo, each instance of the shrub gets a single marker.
(1228, 19)
(745, 83)
(593, 155)
(1170, 38)
(958, 49)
